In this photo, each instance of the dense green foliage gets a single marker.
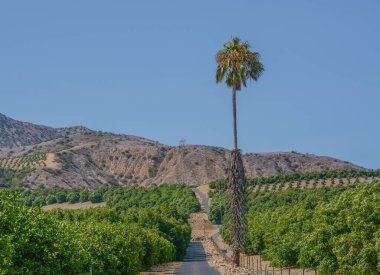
(45, 196)
(173, 228)
(219, 184)
(175, 197)
(130, 235)
(335, 230)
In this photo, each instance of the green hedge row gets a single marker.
(126, 237)
(221, 184)
(180, 197)
(175, 230)
(318, 175)
(334, 230)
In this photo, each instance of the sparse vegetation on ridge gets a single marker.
(10, 177)
(78, 157)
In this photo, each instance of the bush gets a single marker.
(84, 195)
(39, 201)
(73, 197)
(50, 199)
(95, 196)
(61, 197)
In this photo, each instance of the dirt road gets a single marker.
(202, 257)
(203, 230)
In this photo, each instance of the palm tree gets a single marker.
(237, 64)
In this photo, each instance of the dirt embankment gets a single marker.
(79, 205)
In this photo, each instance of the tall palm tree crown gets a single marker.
(237, 64)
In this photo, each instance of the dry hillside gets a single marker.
(18, 133)
(79, 157)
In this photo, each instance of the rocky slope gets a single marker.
(78, 157)
(18, 133)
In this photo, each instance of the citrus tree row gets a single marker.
(324, 177)
(121, 198)
(24, 162)
(111, 239)
(334, 230)
(314, 176)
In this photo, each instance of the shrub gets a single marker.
(84, 195)
(95, 196)
(50, 199)
(73, 197)
(61, 197)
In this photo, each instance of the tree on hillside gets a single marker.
(236, 65)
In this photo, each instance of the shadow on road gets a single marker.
(195, 261)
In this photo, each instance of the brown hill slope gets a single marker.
(18, 133)
(82, 158)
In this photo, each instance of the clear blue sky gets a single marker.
(147, 68)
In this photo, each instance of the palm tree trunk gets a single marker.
(237, 185)
(238, 204)
(235, 119)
